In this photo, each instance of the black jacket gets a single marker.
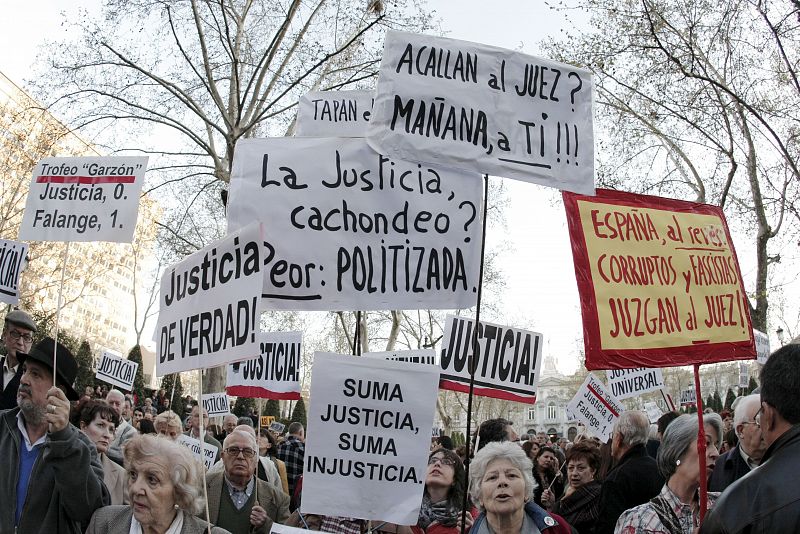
(730, 467)
(633, 481)
(8, 395)
(765, 500)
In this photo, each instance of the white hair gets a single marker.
(499, 450)
(236, 432)
(633, 427)
(744, 408)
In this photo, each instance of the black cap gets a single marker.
(66, 365)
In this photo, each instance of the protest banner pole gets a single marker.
(172, 394)
(357, 336)
(258, 457)
(58, 310)
(473, 362)
(201, 436)
(701, 444)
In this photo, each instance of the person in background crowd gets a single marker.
(292, 452)
(549, 482)
(580, 505)
(124, 431)
(531, 448)
(652, 441)
(676, 509)
(461, 451)
(229, 422)
(746, 456)
(164, 406)
(146, 426)
(768, 499)
(234, 503)
(137, 416)
(52, 477)
(164, 488)
(244, 420)
(88, 391)
(442, 442)
(194, 430)
(18, 329)
(493, 430)
(168, 424)
(148, 407)
(501, 486)
(634, 479)
(97, 421)
(661, 425)
(727, 421)
(542, 439)
(267, 448)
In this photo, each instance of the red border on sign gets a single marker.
(596, 357)
(451, 385)
(257, 392)
(85, 180)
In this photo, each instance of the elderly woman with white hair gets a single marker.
(501, 486)
(676, 509)
(164, 491)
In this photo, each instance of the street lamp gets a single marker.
(779, 331)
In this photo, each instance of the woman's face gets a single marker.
(547, 460)
(169, 432)
(534, 450)
(263, 445)
(502, 488)
(689, 467)
(441, 471)
(100, 431)
(151, 492)
(579, 472)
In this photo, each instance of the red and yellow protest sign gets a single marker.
(659, 282)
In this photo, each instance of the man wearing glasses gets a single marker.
(237, 500)
(746, 456)
(768, 499)
(17, 338)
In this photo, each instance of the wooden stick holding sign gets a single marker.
(58, 311)
(701, 445)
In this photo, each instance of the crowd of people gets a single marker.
(106, 462)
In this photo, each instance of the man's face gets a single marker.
(17, 339)
(196, 419)
(36, 380)
(126, 409)
(148, 402)
(230, 424)
(237, 463)
(137, 416)
(116, 400)
(750, 437)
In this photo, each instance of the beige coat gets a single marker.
(115, 479)
(117, 520)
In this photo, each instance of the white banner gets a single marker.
(209, 451)
(688, 397)
(216, 404)
(209, 307)
(744, 374)
(334, 113)
(277, 528)
(12, 260)
(368, 438)
(653, 411)
(474, 106)
(596, 407)
(274, 374)
(426, 356)
(349, 229)
(84, 199)
(116, 370)
(762, 346)
(508, 360)
(627, 383)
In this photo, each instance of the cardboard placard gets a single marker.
(424, 356)
(274, 374)
(12, 260)
(688, 397)
(116, 370)
(376, 233)
(334, 113)
(627, 383)
(508, 360)
(653, 411)
(277, 427)
(659, 282)
(84, 199)
(209, 307)
(595, 407)
(368, 438)
(209, 451)
(473, 106)
(216, 404)
(277, 528)
(762, 346)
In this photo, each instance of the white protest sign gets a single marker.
(334, 113)
(762, 346)
(274, 374)
(688, 396)
(277, 528)
(12, 260)
(116, 370)
(508, 360)
(209, 307)
(277, 427)
(216, 404)
(376, 233)
(626, 383)
(368, 438)
(209, 451)
(426, 356)
(596, 407)
(473, 106)
(653, 411)
(84, 199)
(744, 374)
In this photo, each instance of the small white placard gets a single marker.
(12, 261)
(209, 451)
(627, 383)
(216, 404)
(596, 407)
(116, 370)
(274, 374)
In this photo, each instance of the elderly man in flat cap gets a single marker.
(18, 330)
(53, 479)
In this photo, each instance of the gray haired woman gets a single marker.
(164, 491)
(676, 509)
(501, 486)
